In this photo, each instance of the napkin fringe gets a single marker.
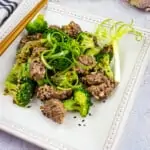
(9, 6)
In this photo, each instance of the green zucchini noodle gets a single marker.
(44, 61)
(47, 78)
(58, 34)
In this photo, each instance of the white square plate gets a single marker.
(104, 127)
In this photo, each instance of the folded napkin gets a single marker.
(7, 7)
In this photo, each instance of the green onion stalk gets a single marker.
(110, 32)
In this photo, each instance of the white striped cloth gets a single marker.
(7, 7)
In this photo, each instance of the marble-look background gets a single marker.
(136, 135)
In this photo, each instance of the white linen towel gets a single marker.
(7, 7)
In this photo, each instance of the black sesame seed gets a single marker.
(74, 117)
(79, 124)
(90, 114)
(84, 125)
(28, 106)
(104, 101)
(83, 120)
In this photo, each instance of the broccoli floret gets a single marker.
(82, 98)
(60, 63)
(14, 74)
(25, 91)
(80, 102)
(23, 54)
(69, 79)
(86, 40)
(39, 25)
(70, 105)
(93, 51)
(12, 80)
(21, 92)
(108, 49)
(18, 72)
(10, 89)
(88, 44)
(25, 70)
(19, 85)
(104, 65)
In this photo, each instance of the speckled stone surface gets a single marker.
(136, 134)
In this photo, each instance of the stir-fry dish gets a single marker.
(65, 67)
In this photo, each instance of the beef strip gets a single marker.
(98, 85)
(37, 70)
(72, 29)
(94, 78)
(54, 109)
(87, 61)
(47, 92)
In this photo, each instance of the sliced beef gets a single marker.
(72, 29)
(47, 92)
(94, 78)
(81, 71)
(88, 61)
(99, 86)
(54, 109)
(37, 70)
